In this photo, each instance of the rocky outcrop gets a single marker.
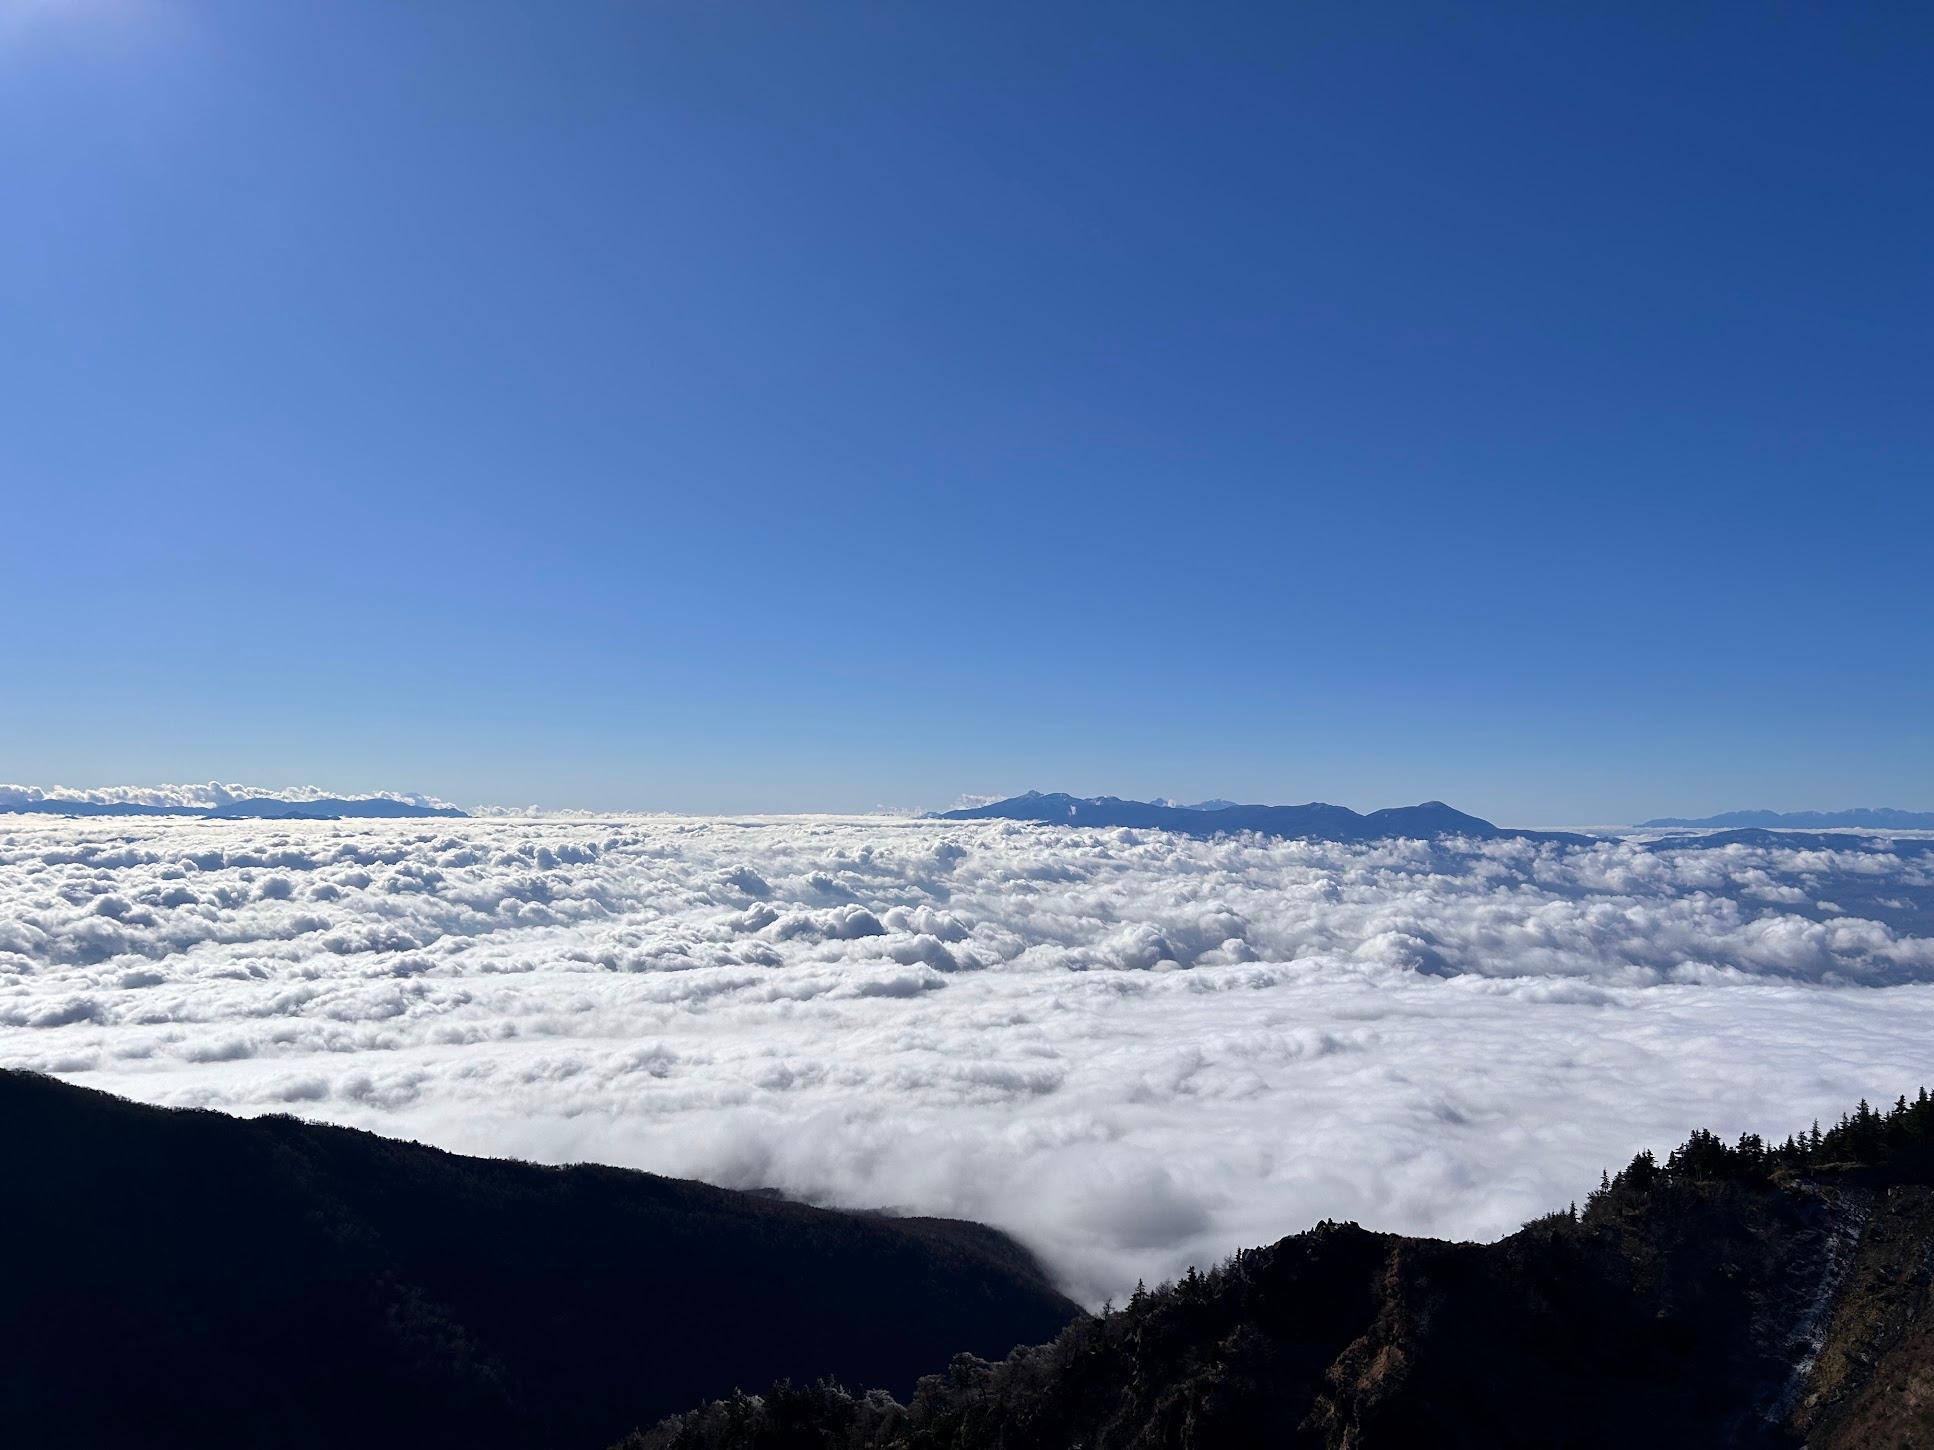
(1871, 1383)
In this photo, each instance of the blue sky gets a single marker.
(773, 406)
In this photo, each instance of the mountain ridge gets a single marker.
(1315, 820)
(1884, 818)
(1758, 1295)
(179, 1277)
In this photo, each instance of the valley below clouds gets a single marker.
(1135, 1051)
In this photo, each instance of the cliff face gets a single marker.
(1789, 1308)
(1871, 1382)
(1686, 1318)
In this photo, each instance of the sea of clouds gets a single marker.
(210, 796)
(1134, 1050)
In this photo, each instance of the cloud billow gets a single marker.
(1134, 1049)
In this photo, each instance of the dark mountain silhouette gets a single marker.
(1748, 1295)
(1882, 819)
(1316, 821)
(272, 808)
(178, 1278)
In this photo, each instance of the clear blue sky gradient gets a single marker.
(759, 405)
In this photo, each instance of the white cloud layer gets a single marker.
(211, 796)
(1134, 1050)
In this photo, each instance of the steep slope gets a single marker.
(189, 1279)
(1747, 1296)
(1872, 1380)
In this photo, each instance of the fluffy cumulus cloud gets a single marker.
(1134, 1050)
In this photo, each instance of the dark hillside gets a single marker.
(190, 1279)
(1746, 1295)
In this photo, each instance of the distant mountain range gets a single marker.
(1881, 819)
(218, 802)
(1316, 821)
